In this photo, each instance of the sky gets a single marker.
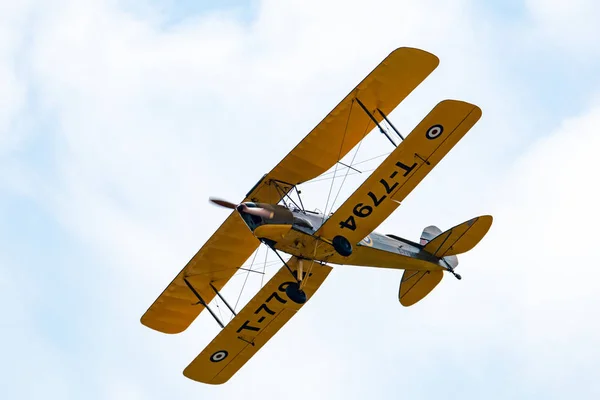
(119, 119)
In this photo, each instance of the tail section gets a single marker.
(461, 238)
(430, 233)
(415, 285)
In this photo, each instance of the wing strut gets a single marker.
(390, 123)
(284, 191)
(201, 301)
(221, 297)
(374, 120)
(270, 244)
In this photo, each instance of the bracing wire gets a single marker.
(323, 175)
(218, 308)
(329, 195)
(339, 157)
(244, 285)
(312, 263)
(244, 267)
(344, 180)
(348, 169)
(262, 278)
(331, 178)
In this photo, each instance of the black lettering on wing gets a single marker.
(249, 327)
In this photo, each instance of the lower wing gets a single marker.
(252, 327)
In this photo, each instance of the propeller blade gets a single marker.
(222, 203)
(258, 211)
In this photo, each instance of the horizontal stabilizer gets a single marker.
(417, 284)
(254, 325)
(461, 238)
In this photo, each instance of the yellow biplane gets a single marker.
(271, 216)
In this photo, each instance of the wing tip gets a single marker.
(413, 51)
(423, 288)
(475, 109)
(189, 373)
(162, 328)
(487, 220)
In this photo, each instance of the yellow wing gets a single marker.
(402, 171)
(252, 327)
(216, 262)
(384, 88)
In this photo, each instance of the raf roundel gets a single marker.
(219, 356)
(434, 132)
(367, 241)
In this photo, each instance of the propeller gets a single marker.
(223, 203)
(258, 211)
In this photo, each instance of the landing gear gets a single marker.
(292, 290)
(295, 294)
(342, 246)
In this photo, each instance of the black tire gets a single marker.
(342, 246)
(295, 294)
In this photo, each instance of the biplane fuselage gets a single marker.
(293, 231)
(315, 240)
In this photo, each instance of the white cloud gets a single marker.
(570, 25)
(556, 199)
(150, 121)
(12, 95)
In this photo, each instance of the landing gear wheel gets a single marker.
(342, 246)
(295, 294)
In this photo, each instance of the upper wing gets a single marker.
(216, 262)
(252, 327)
(402, 171)
(384, 88)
